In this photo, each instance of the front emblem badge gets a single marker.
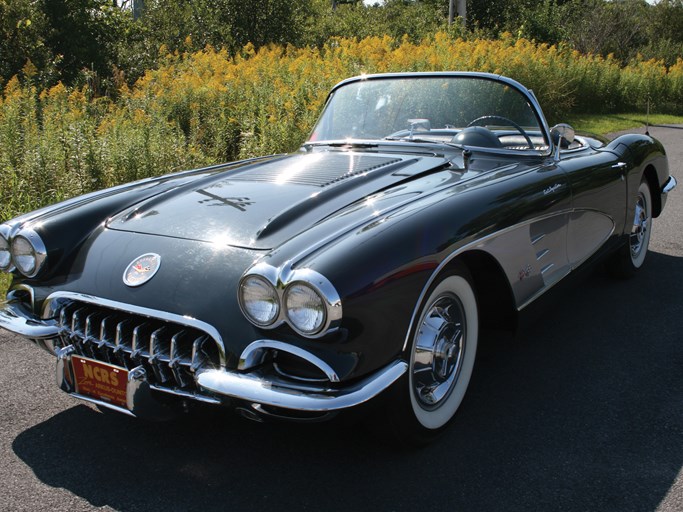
(142, 269)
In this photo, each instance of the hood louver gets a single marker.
(317, 172)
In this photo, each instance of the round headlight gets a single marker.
(305, 308)
(259, 300)
(5, 256)
(28, 252)
(24, 255)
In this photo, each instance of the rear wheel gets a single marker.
(632, 256)
(442, 353)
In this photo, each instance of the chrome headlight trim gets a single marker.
(316, 306)
(5, 252)
(38, 252)
(269, 294)
(282, 279)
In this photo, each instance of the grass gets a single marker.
(602, 124)
(4, 284)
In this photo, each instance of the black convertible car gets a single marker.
(423, 208)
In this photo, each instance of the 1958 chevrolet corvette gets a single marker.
(423, 208)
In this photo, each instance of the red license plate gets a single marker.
(98, 380)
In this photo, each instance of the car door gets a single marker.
(598, 184)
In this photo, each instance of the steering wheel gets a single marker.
(510, 122)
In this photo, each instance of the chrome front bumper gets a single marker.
(15, 317)
(248, 385)
(254, 389)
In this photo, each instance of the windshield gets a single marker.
(470, 111)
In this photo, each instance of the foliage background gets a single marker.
(93, 95)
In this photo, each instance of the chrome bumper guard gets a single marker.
(256, 389)
(669, 185)
(15, 317)
(140, 401)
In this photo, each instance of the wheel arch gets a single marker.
(495, 300)
(650, 175)
(496, 303)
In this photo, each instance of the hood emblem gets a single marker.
(142, 269)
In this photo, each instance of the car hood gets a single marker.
(262, 205)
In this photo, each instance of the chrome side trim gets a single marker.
(669, 185)
(256, 389)
(537, 239)
(472, 245)
(16, 317)
(52, 304)
(256, 352)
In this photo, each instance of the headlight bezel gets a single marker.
(246, 310)
(38, 251)
(293, 323)
(283, 280)
(4, 240)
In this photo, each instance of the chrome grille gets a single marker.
(171, 353)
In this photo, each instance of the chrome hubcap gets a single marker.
(439, 351)
(641, 224)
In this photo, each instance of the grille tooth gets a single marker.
(181, 351)
(91, 334)
(77, 321)
(91, 323)
(107, 336)
(108, 330)
(159, 348)
(181, 358)
(170, 352)
(159, 358)
(200, 356)
(63, 319)
(141, 335)
(124, 335)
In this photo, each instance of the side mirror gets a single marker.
(563, 135)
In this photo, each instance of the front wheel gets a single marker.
(442, 353)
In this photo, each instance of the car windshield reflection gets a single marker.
(465, 110)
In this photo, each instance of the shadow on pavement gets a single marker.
(583, 412)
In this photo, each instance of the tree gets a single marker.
(461, 10)
(23, 27)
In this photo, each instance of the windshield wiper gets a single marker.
(344, 144)
(409, 138)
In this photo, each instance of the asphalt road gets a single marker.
(584, 411)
